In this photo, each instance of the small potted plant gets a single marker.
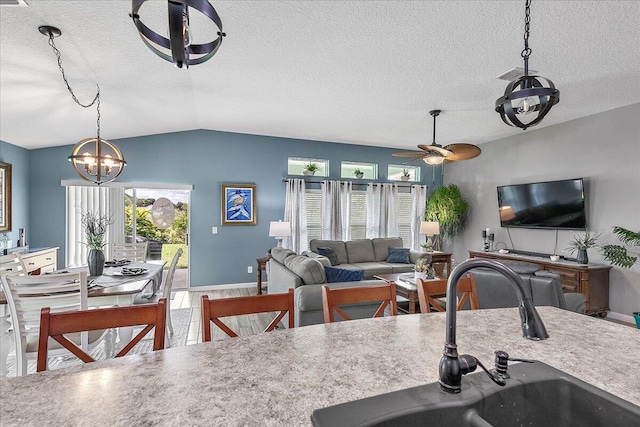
(426, 247)
(421, 268)
(95, 229)
(582, 242)
(405, 175)
(358, 173)
(310, 169)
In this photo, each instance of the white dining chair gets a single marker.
(14, 267)
(166, 293)
(27, 295)
(130, 251)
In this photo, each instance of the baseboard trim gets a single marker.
(621, 317)
(220, 287)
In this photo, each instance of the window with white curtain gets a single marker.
(313, 206)
(102, 200)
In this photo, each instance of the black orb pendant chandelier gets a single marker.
(179, 47)
(528, 99)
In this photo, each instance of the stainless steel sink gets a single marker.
(535, 395)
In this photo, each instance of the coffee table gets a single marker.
(403, 288)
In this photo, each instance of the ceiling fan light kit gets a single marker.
(527, 95)
(179, 47)
(94, 159)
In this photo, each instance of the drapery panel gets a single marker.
(382, 201)
(336, 210)
(418, 203)
(294, 213)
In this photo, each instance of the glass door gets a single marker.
(161, 218)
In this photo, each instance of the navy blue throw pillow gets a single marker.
(330, 253)
(343, 275)
(398, 255)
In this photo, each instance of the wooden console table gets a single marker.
(591, 280)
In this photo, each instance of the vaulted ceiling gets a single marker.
(345, 71)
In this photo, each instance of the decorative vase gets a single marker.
(582, 258)
(636, 314)
(404, 178)
(308, 173)
(95, 260)
(359, 175)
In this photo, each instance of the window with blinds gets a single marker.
(313, 206)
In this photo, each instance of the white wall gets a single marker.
(604, 149)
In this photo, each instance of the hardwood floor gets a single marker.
(243, 325)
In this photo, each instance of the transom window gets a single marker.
(298, 165)
(349, 169)
(396, 172)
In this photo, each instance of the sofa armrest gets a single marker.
(280, 278)
(323, 259)
(575, 302)
(416, 255)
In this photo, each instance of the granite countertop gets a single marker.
(279, 378)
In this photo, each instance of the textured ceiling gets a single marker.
(345, 71)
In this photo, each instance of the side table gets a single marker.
(262, 266)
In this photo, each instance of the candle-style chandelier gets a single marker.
(94, 159)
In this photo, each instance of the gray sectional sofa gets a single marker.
(306, 274)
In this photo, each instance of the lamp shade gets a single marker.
(279, 229)
(429, 228)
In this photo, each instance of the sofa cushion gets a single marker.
(311, 271)
(398, 255)
(400, 268)
(337, 245)
(343, 275)
(374, 268)
(360, 251)
(280, 254)
(330, 253)
(381, 246)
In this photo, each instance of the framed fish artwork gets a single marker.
(238, 204)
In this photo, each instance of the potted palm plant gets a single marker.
(358, 173)
(582, 242)
(310, 169)
(95, 230)
(622, 256)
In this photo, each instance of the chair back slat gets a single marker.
(56, 325)
(429, 289)
(130, 251)
(14, 267)
(213, 310)
(332, 299)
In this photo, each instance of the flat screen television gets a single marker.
(551, 205)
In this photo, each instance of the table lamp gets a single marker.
(279, 230)
(430, 229)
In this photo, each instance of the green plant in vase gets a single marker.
(310, 169)
(447, 207)
(95, 230)
(624, 256)
(582, 242)
(358, 173)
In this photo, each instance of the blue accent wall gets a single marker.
(19, 159)
(205, 159)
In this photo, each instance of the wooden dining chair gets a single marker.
(428, 290)
(130, 251)
(27, 295)
(332, 299)
(56, 325)
(213, 310)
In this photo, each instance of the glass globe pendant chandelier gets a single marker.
(94, 159)
(527, 99)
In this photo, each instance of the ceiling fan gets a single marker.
(436, 154)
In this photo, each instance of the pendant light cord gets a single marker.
(96, 99)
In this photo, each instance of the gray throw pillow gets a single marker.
(330, 253)
(398, 255)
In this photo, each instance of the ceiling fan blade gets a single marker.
(462, 152)
(443, 151)
(417, 154)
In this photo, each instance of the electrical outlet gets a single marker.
(214, 230)
(249, 269)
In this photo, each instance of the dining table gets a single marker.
(279, 378)
(112, 288)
